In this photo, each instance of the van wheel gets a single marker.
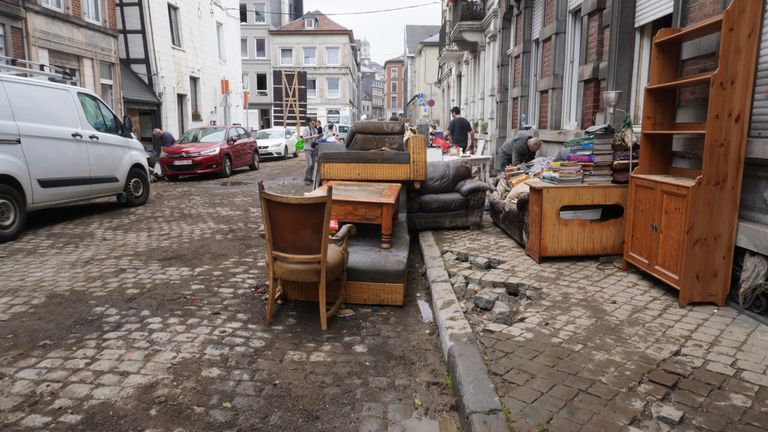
(226, 169)
(255, 161)
(13, 213)
(136, 188)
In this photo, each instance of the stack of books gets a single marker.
(595, 154)
(563, 173)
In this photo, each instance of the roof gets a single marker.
(134, 88)
(432, 40)
(398, 59)
(324, 24)
(417, 33)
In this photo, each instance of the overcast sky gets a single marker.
(384, 30)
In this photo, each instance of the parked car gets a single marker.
(210, 149)
(61, 144)
(276, 142)
(343, 131)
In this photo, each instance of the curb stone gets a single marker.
(479, 405)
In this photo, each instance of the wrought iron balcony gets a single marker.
(467, 27)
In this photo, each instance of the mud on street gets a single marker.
(150, 318)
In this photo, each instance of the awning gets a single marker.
(135, 90)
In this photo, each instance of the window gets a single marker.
(309, 57)
(246, 81)
(311, 88)
(394, 86)
(333, 115)
(3, 51)
(173, 16)
(259, 13)
(333, 87)
(244, 48)
(286, 56)
(394, 101)
(194, 88)
(92, 10)
(98, 115)
(261, 48)
(243, 13)
(51, 3)
(107, 83)
(332, 56)
(309, 24)
(393, 73)
(220, 38)
(261, 85)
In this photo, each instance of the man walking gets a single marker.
(460, 129)
(310, 136)
(517, 150)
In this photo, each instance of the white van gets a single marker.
(61, 144)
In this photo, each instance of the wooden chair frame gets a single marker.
(275, 284)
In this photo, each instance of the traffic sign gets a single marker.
(431, 103)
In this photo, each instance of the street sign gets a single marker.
(431, 103)
(425, 110)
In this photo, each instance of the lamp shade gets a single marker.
(612, 98)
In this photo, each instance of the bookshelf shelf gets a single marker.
(703, 28)
(687, 81)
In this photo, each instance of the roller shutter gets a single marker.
(759, 123)
(651, 10)
(538, 18)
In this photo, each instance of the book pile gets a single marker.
(595, 154)
(563, 173)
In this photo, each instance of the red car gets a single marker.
(212, 149)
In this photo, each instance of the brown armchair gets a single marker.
(301, 250)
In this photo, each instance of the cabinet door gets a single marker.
(673, 202)
(640, 240)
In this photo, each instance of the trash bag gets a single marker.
(300, 145)
(754, 272)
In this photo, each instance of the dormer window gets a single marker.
(309, 24)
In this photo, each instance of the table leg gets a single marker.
(386, 227)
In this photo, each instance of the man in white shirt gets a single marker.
(310, 136)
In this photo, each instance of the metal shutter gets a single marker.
(651, 10)
(573, 4)
(538, 17)
(759, 124)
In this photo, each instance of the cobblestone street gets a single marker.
(148, 319)
(593, 348)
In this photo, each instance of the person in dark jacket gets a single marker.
(460, 130)
(517, 150)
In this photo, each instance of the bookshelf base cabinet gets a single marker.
(681, 223)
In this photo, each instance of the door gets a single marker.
(640, 238)
(236, 147)
(181, 105)
(244, 146)
(54, 144)
(670, 232)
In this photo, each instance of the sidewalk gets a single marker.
(586, 346)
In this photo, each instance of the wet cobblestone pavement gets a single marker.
(586, 346)
(147, 319)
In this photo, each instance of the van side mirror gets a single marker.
(127, 126)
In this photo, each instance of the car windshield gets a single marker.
(270, 134)
(343, 129)
(206, 135)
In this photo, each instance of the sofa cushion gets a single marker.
(369, 263)
(310, 272)
(380, 127)
(445, 202)
(372, 157)
(442, 177)
(376, 142)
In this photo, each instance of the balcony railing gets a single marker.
(468, 10)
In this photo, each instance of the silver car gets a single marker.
(276, 142)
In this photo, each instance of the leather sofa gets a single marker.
(374, 151)
(448, 198)
(512, 218)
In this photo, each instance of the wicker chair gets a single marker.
(301, 250)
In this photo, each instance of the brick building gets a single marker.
(12, 29)
(394, 87)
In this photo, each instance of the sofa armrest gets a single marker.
(470, 186)
(341, 237)
(522, 202)
(417, 148)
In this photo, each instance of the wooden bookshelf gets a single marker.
(681, 222)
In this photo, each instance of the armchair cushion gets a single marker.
(438, 203)
(469, 186)
(380, 127)
(442, 177)
(310, 272)
(368, 142)
(372, 157)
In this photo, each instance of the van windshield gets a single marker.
(206, 135)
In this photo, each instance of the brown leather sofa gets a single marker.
(449, 198)
(512, 218)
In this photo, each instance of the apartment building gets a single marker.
(257, 18)
(423, 73)
(327, 52)
(394, 88)
(413, 37)
(187, 59)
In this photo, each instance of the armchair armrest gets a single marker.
(470, 186)
(342, 236)
(417, 148)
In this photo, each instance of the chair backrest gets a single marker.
(296, 227)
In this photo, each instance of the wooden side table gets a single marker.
(552, 236)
